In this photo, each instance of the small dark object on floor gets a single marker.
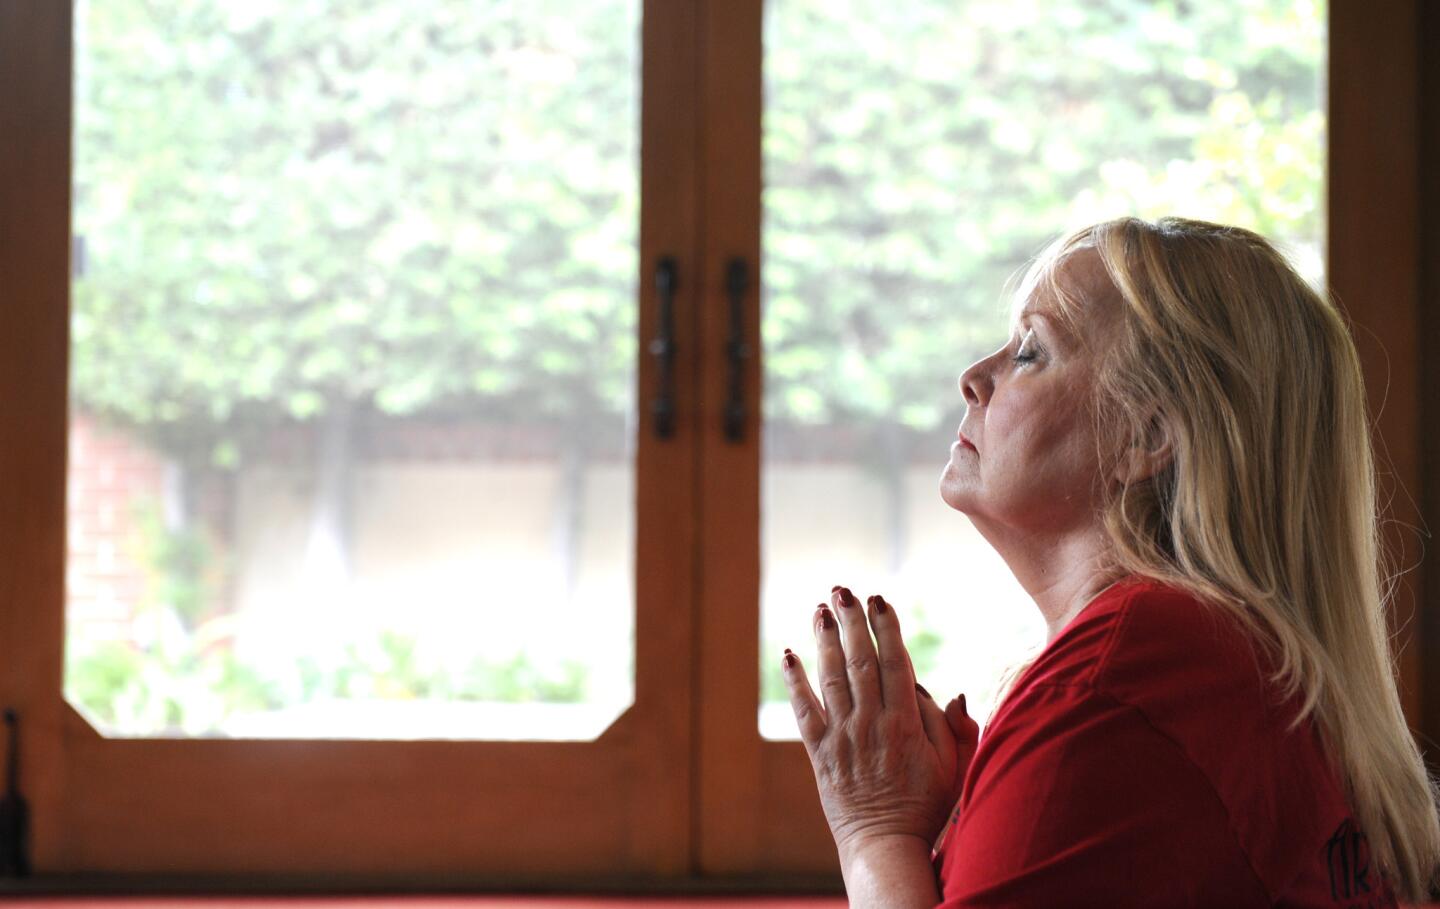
(14, 813)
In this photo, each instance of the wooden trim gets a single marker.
(34, 348)
(759, 812)
(729, 764)
(377, 884)
(667, 547)
(1374, 264)
(1428, 37)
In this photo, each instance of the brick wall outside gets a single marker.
(110, 473)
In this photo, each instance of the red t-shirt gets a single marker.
(1138, 763)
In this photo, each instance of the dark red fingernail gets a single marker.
(962, 706)
(921, 688)
(787, 650)
(790, 660)
(835, 588)
(880, 605)
(826, 621)
(846, 597)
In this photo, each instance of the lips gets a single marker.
(966, 442)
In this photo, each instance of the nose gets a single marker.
(975, 384)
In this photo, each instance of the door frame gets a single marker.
(748, 806)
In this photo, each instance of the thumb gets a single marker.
(965, 729)
(936, 725)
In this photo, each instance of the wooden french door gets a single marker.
(914, 156)
(619, 806)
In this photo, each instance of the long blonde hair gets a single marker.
(1268, 508)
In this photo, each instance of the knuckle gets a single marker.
(860, 662)
(894, 663)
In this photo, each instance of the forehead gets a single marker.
(1038, 310)
(1089, 297)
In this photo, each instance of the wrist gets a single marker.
(892, 870)
(870, 845)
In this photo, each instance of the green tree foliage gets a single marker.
(292, 204)
(297, 207)
(917, 153)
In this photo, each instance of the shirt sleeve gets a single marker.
(1076, 800)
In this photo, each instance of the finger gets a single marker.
(897, 679)
(860, 656)
(809, 715)
(936, 729)
(965, 729)
(834, 681)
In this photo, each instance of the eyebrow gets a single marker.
(1057, 327)
(1036, 314)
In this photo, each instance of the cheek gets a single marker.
(1045, 437)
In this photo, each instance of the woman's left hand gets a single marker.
(884, 757)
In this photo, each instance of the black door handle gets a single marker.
(737, 284)
(663, 347)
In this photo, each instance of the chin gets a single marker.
(955, 493)
(965, 498)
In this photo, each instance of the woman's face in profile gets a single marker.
(1034, 463)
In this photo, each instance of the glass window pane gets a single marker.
(352, 372)
(916, 154)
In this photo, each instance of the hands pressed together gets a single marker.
(888, 760)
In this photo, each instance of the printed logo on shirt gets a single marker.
(1347, 853)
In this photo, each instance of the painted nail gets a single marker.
(846, 597)
(881, 606)
(787, 650)
(962, 706)
(790, 660)
(826, 621)
(921, 688)
(835, 588)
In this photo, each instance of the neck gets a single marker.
(1062, 572)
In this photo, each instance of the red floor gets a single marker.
(424, 902)
(437, 902)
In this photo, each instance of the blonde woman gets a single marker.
(1172, 455)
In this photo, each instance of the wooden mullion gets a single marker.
(666, 551)
(728, 745)
(35, 73)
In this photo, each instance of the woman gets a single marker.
(1172, 456)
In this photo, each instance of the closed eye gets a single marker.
(1026, 353)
